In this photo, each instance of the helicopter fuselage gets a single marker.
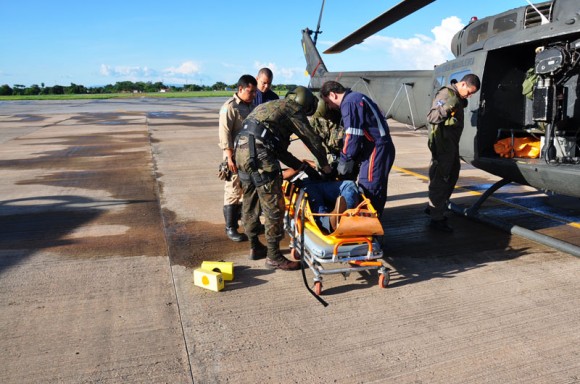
(504, 51)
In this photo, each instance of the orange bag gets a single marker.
(359, 221)
(523, 147)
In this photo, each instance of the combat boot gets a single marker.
(257, 249)
(275, 260)
(231, 217)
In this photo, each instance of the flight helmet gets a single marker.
(305, 98)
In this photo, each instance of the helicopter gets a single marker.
(538, 43)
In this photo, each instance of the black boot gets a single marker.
(231, 216)
(257, 249)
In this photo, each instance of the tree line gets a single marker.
(119, 87)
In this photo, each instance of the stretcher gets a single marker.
(351, 247)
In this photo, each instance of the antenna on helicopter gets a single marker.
(318, 26)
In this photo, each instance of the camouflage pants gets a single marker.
(268, 196)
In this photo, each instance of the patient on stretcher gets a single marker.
(333, 197)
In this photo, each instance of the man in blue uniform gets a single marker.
(368, 151)
(264, 93)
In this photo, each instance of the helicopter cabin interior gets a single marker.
(506, 112)
(530, 90)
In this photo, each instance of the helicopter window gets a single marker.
(477, 33)
(505, 23)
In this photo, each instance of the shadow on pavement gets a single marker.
(48, 222)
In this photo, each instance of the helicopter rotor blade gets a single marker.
(398, 12)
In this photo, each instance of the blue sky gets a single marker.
(201, 42)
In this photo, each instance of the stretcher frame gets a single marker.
(350, 249)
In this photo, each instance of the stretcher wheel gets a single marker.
(318, 287)
(384, 279)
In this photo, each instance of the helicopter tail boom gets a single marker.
(315, 67)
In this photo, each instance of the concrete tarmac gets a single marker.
(107, 206)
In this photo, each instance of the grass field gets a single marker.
(167, 95)
(121, 95)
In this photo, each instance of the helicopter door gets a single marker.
(454, 70)
(472, 63)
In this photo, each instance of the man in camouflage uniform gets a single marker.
(326, 124)
(231, 116)
(261, 145)
(446, 117)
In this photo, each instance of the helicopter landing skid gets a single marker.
(474, 209)
(473, 213)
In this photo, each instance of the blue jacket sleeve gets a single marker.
(352, 115)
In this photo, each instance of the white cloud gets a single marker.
(448, 28)
(259, 65)
(192, 72)
(186, 68)
(229, 65)
(129, 72)
(289, 75)
(417, 52)
(105, 70)
(179, 74)
(282, 75)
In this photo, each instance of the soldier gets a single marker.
(264, 93)
(231, 116)
(262, 143)
(368, 152)
(326, 124)
(446, 118)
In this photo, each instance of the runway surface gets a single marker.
(108, 205)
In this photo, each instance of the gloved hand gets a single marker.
(331, 176)
(345, 167)
(311, 172)
(450, 121)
